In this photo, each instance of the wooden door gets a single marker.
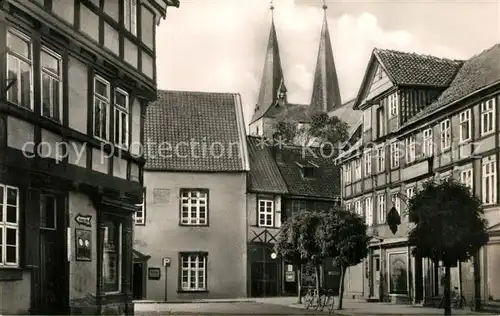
(53, 273)
(264, 273)
(376, 276)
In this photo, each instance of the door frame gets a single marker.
(140, 258)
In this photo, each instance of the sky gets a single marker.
(220, 45)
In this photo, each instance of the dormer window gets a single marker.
(308, 170)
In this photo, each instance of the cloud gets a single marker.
(219, 46)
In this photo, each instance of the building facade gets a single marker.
(283, 181)
(423, 117)
(195, 211)
(77, 75)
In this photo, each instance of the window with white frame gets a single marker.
(381, 209)
(130, 15)
(19, 69)
(465, 125)
(140, 214)
(428, 143)
(368, 211)
(466, 177)
(51, 90)
(367, 119)
(487, 116)
(266, 212)
(489, 187)
(357, 169)
(368, 162)
(410, 149)
(121, 118)
(348, 206)
(381, 159)
(9, 226)
(102, 91)
(193, 271)
(445, 134)
(410, 192)
(194, 207)
(393, 105)
(394, 154)
(358, 209)
(348, 173)
(396, 202)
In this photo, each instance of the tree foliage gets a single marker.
(449, 222)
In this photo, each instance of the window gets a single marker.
(380, 159)
(381, 208)
(308, 172)
(19, 69)
(489, 187)
(428, 145)
(101, 108)
(266, 212)
(357, 169)
(465, 126)
(358, 208)
(348, 206)
(193, 271)
(140, 214)
(467, 178)
(393, 104)
(445, 135)
(410, 149)
(112, 256)
(395, 155)
(368, 162)
(380, 122)
(367, 119)
(410, 192)
(396, 202)
(368, 211)
(487, 117)
(194, 207)
(9, 226)
(51, 80)
(130, 12)
(48, 211)
(298, 206)
(348, 173)
(121, 118)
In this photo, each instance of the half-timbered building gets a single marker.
(76, 78)
(423, 117)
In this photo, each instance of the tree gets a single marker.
(449, 226)
(343, 237)
(296, 242)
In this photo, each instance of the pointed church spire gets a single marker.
(326, 92)
(272, 76)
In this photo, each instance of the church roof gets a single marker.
(195, 131)
(297, 112)
(346, 113)
(272, 76)
(326, 93)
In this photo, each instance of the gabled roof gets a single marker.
(326, 180)
(326, 93)
(272, 77)
(477, 73)
(409, 69)
(195, 132)
(264, 175)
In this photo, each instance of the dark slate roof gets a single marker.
(297, 112)
(326, 182)
(211, 122)
(476, 73)
(264, 175)
(415, 69)
(347, 114)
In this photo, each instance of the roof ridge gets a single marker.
(495, 46)
(419, 55)
(197, 92)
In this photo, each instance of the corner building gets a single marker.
(77, 76)
(423, 117)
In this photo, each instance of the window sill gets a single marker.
(192, 291)
(11, 274)
(481, 135)
(193, 225)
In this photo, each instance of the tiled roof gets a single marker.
(195, 131)
(297, 112)
(264, 175)
(347, 114)
(476, 73)
(415, 69)
(326, 180)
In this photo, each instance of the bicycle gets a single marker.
(324, 298)
(457, 301)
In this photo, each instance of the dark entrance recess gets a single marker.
(53, 276)
(139, 281)
(264, 271)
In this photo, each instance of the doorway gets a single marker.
(376, 276)
(138, 293)
(53, 264)
(264, 272)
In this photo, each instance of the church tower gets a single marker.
(326, 93)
